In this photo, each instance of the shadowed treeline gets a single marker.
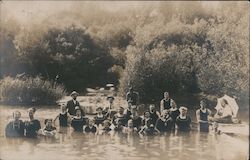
(185, 47)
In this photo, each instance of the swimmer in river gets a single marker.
(33, 125)
(63, 117)
(15, 128)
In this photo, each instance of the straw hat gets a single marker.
(74, 93)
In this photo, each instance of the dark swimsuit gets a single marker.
(183, 124)
(167, 104)
(63, 119)
(90, 130)
(204, 127)
(15, 129)
(32, 127)
(78, 124)
(99, 120)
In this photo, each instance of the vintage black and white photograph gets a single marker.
(124, 80)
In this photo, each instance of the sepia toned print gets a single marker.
(118, 80)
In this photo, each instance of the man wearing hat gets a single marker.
(132, 96)
(71, 104)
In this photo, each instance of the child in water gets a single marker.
(49, 130)
(90, 128)
(130, 127)
(149, 129)
(100, 117)
(63, 117)
(106, 128)
(78, 121)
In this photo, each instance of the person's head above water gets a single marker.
(74, 95)
(146, 114)
(31, 112)
(183, 110)
(106, 123)
(16, 115)
(130, 123)
(165, 113)
(151, 107)
(78, 111)
(63, 108)
(111, 98)
(120, 110)
(48, 122)
(203, 103)
(166, 95)
(91, 122)
(99, 110)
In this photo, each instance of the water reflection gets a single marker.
(69, 145)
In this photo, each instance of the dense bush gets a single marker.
(182, 47)
(29, 91)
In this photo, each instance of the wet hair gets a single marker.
(46, 120)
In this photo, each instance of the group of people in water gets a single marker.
(119, 120)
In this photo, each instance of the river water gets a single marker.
(68, 145)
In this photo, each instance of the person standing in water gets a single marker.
(174, 113)
(78, 121)
(166, 103)
(202, 116)
(33, 125)
(100, 117)
(183, 121)
(63, 117)
(132, 96)
(90, 127)
(15, 128)
(154, 115)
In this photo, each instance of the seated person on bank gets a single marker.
(15, 128)
(224, 114)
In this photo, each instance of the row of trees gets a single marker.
(180, 47)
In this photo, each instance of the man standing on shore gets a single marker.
(71, 104)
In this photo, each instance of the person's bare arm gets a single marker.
(161, 106)
(198, 115)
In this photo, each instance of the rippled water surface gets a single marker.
(68, 145)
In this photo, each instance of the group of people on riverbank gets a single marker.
(119, 119)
